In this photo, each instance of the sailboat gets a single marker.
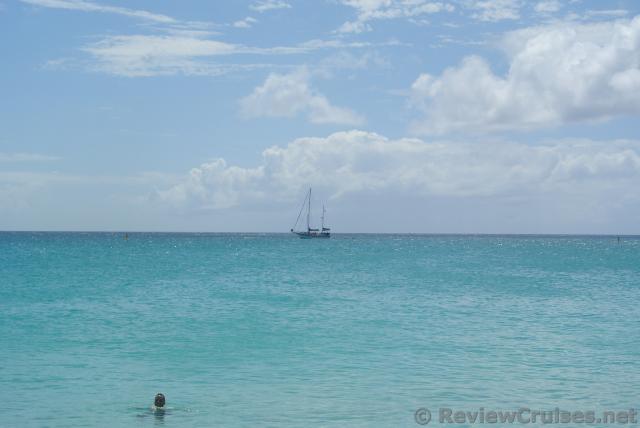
(323, 232)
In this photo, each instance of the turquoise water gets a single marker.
(270, 330)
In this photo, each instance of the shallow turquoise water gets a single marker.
(270, 330)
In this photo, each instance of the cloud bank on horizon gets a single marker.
(356, 161)
(525, 113)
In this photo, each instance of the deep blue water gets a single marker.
(271, 330)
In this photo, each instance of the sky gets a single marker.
(452, 116)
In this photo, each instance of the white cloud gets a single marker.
(547, 6)
(140, 55)
(557, 74)
(496, 10)
(574, 184)
(266, 5)
(60, 201)
(245, 23)
(87, 6)
(184, 52)
(369, 10)
(26, 157)
(344, 60)
(370, 183)
(287, 95)
(607, 13)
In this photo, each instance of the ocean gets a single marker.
(241, 330)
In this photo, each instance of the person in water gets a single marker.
(159, 401)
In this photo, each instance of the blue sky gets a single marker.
(471, 116)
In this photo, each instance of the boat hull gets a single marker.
(313, 235)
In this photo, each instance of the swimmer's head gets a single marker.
(159, 400)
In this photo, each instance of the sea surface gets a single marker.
(251, 330)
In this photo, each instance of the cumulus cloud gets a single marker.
(287, 95)
(357, 162)
(369, 10)
(87, 6)
(266, 5)
(557, 74)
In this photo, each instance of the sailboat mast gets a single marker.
(309, 211)
(322, 227)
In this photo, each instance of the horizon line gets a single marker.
(332, 233)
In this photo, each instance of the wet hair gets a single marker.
(159, 400)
